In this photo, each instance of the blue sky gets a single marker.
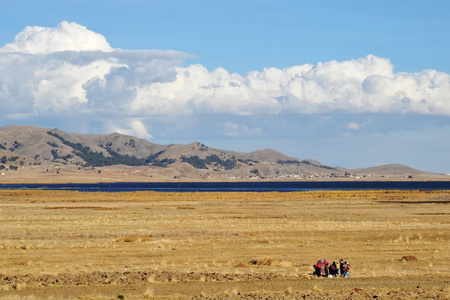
(243, 36)
(349, 83)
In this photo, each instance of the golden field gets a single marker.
(150, 245)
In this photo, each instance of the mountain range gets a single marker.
(31, 153)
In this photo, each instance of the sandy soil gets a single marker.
(148, 245)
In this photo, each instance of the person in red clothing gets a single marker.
(318, 267)
(325, 262)
(321, 268)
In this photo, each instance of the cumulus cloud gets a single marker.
(66, 36)
(133, 127)
(69, 70)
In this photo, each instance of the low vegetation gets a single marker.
(212, 160)
(304, 162)
(99, 159)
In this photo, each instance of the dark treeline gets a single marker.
(98, 159)
(212, 159)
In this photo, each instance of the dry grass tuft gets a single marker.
(317, 289)
(185, 207)
(81, 207)
(128, 239)
(409, 258)
(267, 261)
(148, 294)
(240, 265)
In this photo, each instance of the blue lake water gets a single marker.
(256, 186)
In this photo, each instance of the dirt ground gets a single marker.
(149, 245)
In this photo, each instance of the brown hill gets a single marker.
(394, 170)
(30, 153)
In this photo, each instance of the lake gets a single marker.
(256, 186)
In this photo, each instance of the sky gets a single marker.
(348, 83)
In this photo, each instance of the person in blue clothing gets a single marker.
(338, 268)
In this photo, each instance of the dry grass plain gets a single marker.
(149, 245)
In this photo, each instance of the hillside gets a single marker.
(30, 153)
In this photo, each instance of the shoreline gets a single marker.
(146, 180)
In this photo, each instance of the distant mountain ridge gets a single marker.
(37, 148)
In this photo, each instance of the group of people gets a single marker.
(338, 268)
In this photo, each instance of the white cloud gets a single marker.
(133, 127)
(234, 130)
(69, 71)
(231, 129)
(353, 126)
(65, 36)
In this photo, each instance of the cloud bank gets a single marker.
(71, 72)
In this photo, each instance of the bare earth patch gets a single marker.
(149, 245)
